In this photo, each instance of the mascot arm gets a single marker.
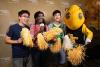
(88, 33)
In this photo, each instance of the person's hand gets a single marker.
(54, 39)
(19, 40)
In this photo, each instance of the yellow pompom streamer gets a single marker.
(52, 33)
(76, 55)
(56, 47)
(41, 42)
(26, 36)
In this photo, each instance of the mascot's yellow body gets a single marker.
(74, 20)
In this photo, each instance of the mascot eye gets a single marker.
(68, 15)
(80, 15)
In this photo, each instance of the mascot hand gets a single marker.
(67, 43)
(87, 41)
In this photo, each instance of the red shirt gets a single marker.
(35, 29)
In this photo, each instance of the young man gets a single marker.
(20, 53)
(57, 23)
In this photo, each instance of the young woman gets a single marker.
(38, 27)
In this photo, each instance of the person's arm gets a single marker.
(8, 40)
(9, 35)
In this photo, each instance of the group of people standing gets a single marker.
(33, 57)
(24, 56)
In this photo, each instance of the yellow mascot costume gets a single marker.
(79, 34)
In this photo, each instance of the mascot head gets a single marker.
(74, 17)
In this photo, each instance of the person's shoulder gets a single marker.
(31, 25)
(50, 24)
(63, 24)
(14, 25)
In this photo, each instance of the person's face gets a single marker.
(57, 17)
(40, 18)
(24, 18)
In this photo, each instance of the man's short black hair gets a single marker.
(37, 14)
(56, 11)
(22, 12)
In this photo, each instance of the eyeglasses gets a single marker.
(40, 16)
(25, 16)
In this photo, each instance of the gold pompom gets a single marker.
(49, 35)
(56, 47)
(42, 44)
(76, 55)
(26, 36)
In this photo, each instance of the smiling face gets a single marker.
(24, 18)
(40, 18)
(57, 17)
(74, 17)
